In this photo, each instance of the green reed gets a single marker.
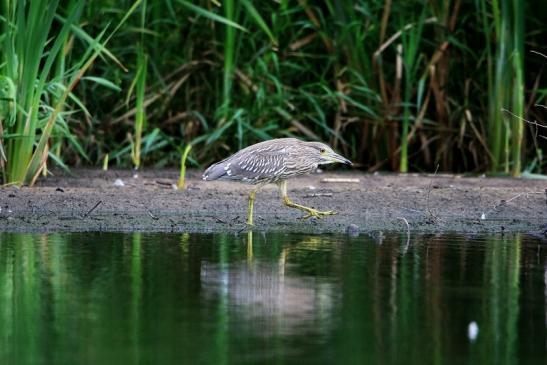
(393, 87)
(39, 104)
(411, 38)
(27, 59)
(505, 83)
(140, 90)
(517, 102)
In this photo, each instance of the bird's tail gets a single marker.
(215, 171)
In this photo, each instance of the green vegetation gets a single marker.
(27, 59)
(505, 67)
(33, 95)
(181, 183)
(395, 85)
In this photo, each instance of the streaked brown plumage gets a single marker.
(274, 161)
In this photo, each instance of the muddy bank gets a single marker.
(89, 200)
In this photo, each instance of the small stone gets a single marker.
(483, 216)
(311, 187)
(60, 190)
(352, 230)
(135, 176)
(119, 182)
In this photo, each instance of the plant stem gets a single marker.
(182, 177)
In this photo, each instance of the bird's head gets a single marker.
(323, 154)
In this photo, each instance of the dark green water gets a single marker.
(215, 299)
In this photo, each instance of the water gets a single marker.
(216, 299)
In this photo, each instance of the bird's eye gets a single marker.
(322, 150)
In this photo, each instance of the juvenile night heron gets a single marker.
(275, 161)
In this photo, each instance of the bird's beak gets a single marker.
(338, 158)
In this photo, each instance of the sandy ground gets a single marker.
(89, 201)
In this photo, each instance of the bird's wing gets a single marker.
(259, 164)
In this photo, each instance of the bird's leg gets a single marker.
(311, 212)
(252, 196)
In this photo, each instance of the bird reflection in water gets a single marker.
(265, 291)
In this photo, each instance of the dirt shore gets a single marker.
(89, 200)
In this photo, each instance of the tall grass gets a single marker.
(517, 102)
(306, 86)
(140, 89)
(505, 82)
(398, 86)
(411, 36)
(27, 61)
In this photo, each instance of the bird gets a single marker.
(274, 162)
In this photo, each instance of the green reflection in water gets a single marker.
(275, 298)
(136, 292)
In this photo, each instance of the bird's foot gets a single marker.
(317, 213)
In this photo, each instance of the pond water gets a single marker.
(216, 299)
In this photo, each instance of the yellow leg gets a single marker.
(311, 212)
(252, 196)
